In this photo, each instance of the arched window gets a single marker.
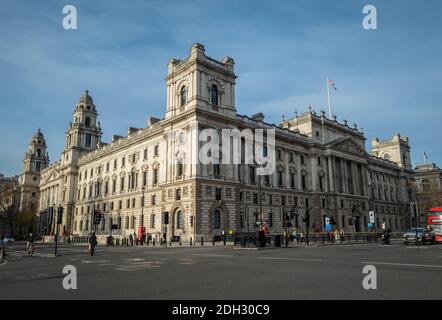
(183, 95)
(38, 153)
(179, 219)
(216, 219)
(214, 95)
(87, 122)
(387, 157)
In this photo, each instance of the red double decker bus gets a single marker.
(434, 221)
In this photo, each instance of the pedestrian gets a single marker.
(92, 243)
(131, 239)
(2, 248)
(135, 238)
(30, 244)
(342, 235)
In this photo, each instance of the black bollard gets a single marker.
(191, 241)
(202, 240)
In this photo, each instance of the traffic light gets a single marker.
(59, 215)
(97, 216)
(166, 217)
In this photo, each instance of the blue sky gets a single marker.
(389, 80)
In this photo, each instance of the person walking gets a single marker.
(131, 239)
(2, 248)
(30, 244)
(92, 243)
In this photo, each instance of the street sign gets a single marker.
(328, 226)
(370, 226)
(383, 225)
(371, 217)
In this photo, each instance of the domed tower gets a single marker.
(82, 136)
(36, 159)
(84, 133)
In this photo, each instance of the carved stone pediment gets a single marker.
(349, 146)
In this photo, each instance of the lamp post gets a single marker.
(413, 205)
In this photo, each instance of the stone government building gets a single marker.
(321, 166)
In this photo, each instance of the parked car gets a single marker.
(8, 239)
(410, 236)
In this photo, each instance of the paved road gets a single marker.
(224, 273)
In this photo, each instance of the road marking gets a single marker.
(107, 264)
(403, 264)
(212, 255)
(94, 261)
(135, 259)
(3, 263)
(290, 259)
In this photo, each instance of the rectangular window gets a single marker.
(145, 154)
(302, 160)
(115, 164)
(270, 199)
(292, 180)
(122, 184)
(155, 151)
(127, 203)
(144, 179)
(216, 170)
(303, 182)
(120, 204)
(152, 221)
(178, 194)
(133, 203)
(280, 179)
(252, 174)
(255, 198)
(114, 186)
(112, 205)
(283, 200)
(270, 220)
(154, 199)
(155, 176)
(218, 192)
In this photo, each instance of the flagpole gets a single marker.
(329, 100)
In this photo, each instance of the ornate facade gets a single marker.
(322, 167)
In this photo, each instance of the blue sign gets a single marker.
(370, 226)
(328, 227)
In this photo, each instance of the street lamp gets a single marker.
(414, 205)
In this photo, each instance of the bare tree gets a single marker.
(9, 194)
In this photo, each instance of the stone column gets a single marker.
(314, 172)
(331, 187)
(344, 176)
(354, 173)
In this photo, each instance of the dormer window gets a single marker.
(214, 95)
(183, 96)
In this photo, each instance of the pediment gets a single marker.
(348, 145)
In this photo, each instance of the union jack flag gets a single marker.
(332, 84)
